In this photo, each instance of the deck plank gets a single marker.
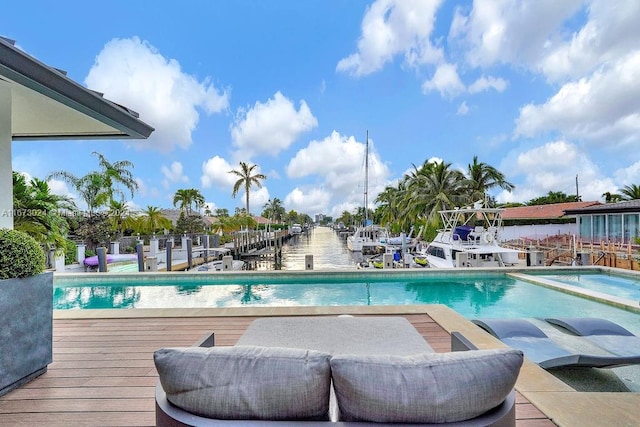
(103, 373)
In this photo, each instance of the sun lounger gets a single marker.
(539, 348)
(605, 334)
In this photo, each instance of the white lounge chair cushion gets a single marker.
(423, 388)
(247, 382)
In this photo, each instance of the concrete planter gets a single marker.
(26, 329)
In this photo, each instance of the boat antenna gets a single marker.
(366, 180)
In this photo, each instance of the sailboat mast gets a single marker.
(366, 180)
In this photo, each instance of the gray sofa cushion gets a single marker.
(423, 388)
(247, 382)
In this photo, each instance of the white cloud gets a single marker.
(554, 167)
(270, 127)
(131, 72)
(390, 28)
(485, 83)
(506, 31)
(215, 171)
(628, 175)
(338, 162)
(610, 33)
(463, 109)
(174, 173)
(446, 81)
(61, 188)
(309, 201)
(603, 108)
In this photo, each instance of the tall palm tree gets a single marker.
(246, 179)
(630, 192)
(91, 188)
(186, 198)
(117, 173)
(482, 177)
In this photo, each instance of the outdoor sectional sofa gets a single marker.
(338, 370)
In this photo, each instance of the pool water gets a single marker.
(482, 295)
(617, 285)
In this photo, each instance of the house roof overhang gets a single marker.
(46, 104)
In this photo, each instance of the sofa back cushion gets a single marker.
(247, 382)
(423, 388)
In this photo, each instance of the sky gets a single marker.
(545, 91)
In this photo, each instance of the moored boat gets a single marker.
(469, 238)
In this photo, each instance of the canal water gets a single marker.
(329, 252)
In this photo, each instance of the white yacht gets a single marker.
(367, 239)
(469, 239)
(296, 229)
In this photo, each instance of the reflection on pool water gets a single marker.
(471, 295)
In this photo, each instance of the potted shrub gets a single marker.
(26, 310)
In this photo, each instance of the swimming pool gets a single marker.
(623, 286)
(472, 294)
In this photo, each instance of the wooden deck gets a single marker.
(103, 374)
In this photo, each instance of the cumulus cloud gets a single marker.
(215, 171)
(270, 127)
(603, 107)
(485, 83)
(505, 31)
(173, 174)
(445, 80)
(628, 175)
(338, 162)
(391, 28)
(310, 201)
(610, 33)
(554, 167)
(132, 72)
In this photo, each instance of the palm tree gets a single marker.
(630, 192)
(117, 173)
(274, 210)
(247, 180)
(611, 197)
(91, 187)
(482, 177)
(432, 188)
(153, 220)
(187, 197)
(40, 213)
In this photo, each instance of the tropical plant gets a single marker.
(246, 179)
(630, 192)
(97, 188)
(611, 197)
(482, 177)
(190, 224)
(152, 220)
(20, 255)
(40, 213)
(119, 217)
(273, 210)
(188, 197)
(117, 173)
(551, 198)
(431, 188)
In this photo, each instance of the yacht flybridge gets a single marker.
(469, 239)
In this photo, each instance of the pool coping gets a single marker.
(557, 400)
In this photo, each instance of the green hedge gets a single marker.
(20, 255)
